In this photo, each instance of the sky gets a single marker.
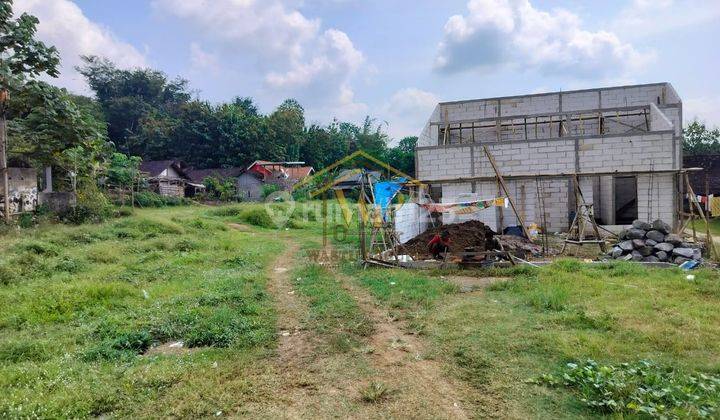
(394, 59)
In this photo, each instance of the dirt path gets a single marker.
(423, 388)
(305, 380)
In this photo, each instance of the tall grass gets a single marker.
(79, 307)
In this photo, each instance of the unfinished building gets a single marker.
(623, 143)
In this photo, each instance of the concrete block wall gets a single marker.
(23, 194)
(634, 153)
(410, 221)
(463, 192)
(647, 152)
(524, 193)
(656, 197)
(606, 208)
(523, 158)
(658, 120)
(662, 94)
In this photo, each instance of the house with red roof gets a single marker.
(251, 179)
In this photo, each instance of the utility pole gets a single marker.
(3, 155)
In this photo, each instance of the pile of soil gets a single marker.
(472, 233)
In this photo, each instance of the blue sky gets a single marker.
(394, 60)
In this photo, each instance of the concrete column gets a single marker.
(48, 179)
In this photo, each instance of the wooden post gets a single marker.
(324, 212)
(507, 193)
(3, 155)
(361, 219)
(708, 237)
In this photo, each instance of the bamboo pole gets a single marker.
(507, 193)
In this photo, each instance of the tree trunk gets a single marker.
(3, 161)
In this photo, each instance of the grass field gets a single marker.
(88, 313)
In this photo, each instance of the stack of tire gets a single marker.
(654, 242)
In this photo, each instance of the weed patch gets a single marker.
(375, 392)
(333, 311)
(641, 388)
(257, 216)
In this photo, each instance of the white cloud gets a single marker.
(512, 32)
(407, 111)
(295, 57)
(268, 27)
(202, 61)
(705, 109)
(63, 24)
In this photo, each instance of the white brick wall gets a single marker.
(656, 197)
(410, 221)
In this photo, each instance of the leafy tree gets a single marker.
(45, 120)
(127, 97)
(698, 140)
(323, 145)
(287, 126)
(123, 170)
(402, 157)
(22, 60)
(220, 189)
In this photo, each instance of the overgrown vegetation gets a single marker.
(640, 388)
(81, 305)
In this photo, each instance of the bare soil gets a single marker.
(424, 389)
(306, 380)
(472, 233)
(471, 284)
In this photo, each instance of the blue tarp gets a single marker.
(385, 191)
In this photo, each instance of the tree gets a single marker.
(45, 120)
(123, 170)
(402, 157)
(22, 60)
(129, 97)
(698, 140)
(287, 127)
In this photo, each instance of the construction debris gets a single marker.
(654, 242)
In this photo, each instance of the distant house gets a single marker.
(169, 178)
(282, 174)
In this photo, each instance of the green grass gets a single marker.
(568, 311)
(532, 325)
(79, 306)
(333, 312)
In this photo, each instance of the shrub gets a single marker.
(40, 248)
(374, 392)
(257, 216)
(268, 189)
(7, 275)
(152, 199)
(121, 346)
(92, 207)
(26, 220)
(643, 389)
(226, 211)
